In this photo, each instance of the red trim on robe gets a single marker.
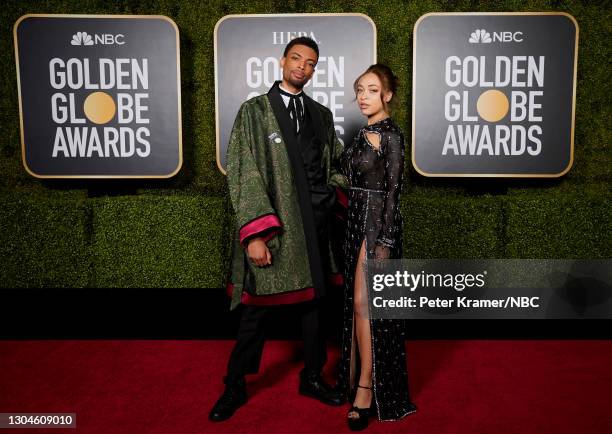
(298, 296)
(336, 279)
(260, 224)
(341, 197)
(341, 206)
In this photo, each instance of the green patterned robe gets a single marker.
(266, 203)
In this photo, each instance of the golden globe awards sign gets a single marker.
(99, 96)
(494, 94)
(247, 53)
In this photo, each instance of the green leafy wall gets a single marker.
(174, 233)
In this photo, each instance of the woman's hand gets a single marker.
(258, 252)
(381, 252)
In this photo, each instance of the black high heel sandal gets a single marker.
(360, 423)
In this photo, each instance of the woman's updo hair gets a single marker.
(388, 80)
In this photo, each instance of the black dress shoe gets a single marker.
(234, 396)
(312, 385)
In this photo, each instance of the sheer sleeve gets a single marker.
(394, 167)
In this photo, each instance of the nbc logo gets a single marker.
(81, 38)
(84, 38)
(480, 36)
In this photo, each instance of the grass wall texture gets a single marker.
(173, 233)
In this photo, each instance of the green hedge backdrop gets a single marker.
(174, 233)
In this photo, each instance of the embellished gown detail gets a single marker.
(375, 179)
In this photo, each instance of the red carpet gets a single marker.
(169, 386)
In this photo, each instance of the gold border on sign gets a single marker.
(218, 148)
(178, 84)
(494, 175)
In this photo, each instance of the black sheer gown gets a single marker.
(375, 179)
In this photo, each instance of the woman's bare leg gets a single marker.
(363, 398)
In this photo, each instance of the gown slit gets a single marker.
(360, 266)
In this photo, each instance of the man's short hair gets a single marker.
(302, 40)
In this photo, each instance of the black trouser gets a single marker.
(246, 355)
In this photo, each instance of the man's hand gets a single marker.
(258, 252)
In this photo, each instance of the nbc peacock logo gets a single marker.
(480, 36)
(84, 38)
(81, 38)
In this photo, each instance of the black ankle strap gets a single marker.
(364, 387)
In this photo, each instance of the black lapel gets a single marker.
(302, 187)
(317, 120)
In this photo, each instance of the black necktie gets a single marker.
(296, 110)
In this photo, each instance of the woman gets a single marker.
(373, 164)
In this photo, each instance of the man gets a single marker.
(282, 174)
